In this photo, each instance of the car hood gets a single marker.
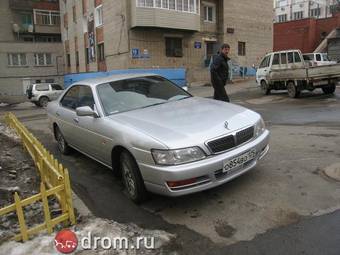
(188, 122)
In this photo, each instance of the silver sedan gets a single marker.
(157, 136)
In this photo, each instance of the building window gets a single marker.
(282, 18)
(315, 12)
(68, 60)
(43, 59)
(26, 19)
(241, 48)
(74, 14)
(209, 12)
(51, 18)
(101, 56)
(298, 15)
(173, 47)
(17, 59)
(99, 16)
(191, 6)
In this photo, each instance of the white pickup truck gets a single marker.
(287, 70)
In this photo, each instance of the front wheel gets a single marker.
(330, 89)
(293, 91)
(132, 178)
(265, 88)
(62, 144)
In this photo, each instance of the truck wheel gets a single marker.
(330, 89)
(264, 88)
(293, 91)
(132, 178)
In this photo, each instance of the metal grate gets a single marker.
(244, 135)
(228, 142)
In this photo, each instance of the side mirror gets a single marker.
(86, 111)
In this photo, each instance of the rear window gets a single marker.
(42, 87)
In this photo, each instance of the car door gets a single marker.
(57, 90)
(92, 141)
(263, 69)
(67, 117)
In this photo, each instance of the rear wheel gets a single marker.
(293, 91)
(330, 89)
(62, 144)
(265, 88)
(43, 101)
(132, 178)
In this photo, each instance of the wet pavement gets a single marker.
(286, 205)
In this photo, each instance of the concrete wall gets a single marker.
(252, 22)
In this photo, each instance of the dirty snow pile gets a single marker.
(44, 244)
(10, 133)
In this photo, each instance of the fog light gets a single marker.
(174, 184)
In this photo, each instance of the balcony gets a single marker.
(166, 14)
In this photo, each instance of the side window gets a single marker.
(70, 100)
(318, 57)
(283, 58)
(264, 63)
(290, 57)
(276, 59)
(42, 87)
(297, 58)
(56, 87)
(85, 97)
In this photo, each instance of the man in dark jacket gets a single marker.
(219, 71)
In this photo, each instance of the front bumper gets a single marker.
(208, 172)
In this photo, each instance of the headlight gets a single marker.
(259, 127)
(179, 156)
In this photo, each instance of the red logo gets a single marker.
(66, 241)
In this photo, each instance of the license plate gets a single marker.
(239, 161)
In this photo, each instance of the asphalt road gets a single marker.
(286, 205)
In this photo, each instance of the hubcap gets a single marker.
(44, 102)
(129, 180)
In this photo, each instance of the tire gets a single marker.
(264, 88)
(293, 91)
(43, 101)
(62, 144)
(330, 89)
(132, 178)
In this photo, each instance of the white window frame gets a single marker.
(36, 59)
(207, 5)
(48, 13)
(10, 59)
(196, 7)
(99, 13)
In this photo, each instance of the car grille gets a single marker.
(228, 142)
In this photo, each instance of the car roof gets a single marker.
(111, 78)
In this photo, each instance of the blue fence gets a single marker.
(175, 75)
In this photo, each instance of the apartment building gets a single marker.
(288, 10)
(30, 45)
(100, 35)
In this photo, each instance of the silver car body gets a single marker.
(178, 124)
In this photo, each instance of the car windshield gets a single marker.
(136, 93)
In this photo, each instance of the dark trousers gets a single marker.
(219, 91)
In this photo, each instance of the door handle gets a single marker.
(76, 120)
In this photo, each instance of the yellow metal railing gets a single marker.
(55, 181)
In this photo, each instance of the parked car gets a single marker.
(157, 136)
(286, 70)
(41, 93)
(318, 59)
